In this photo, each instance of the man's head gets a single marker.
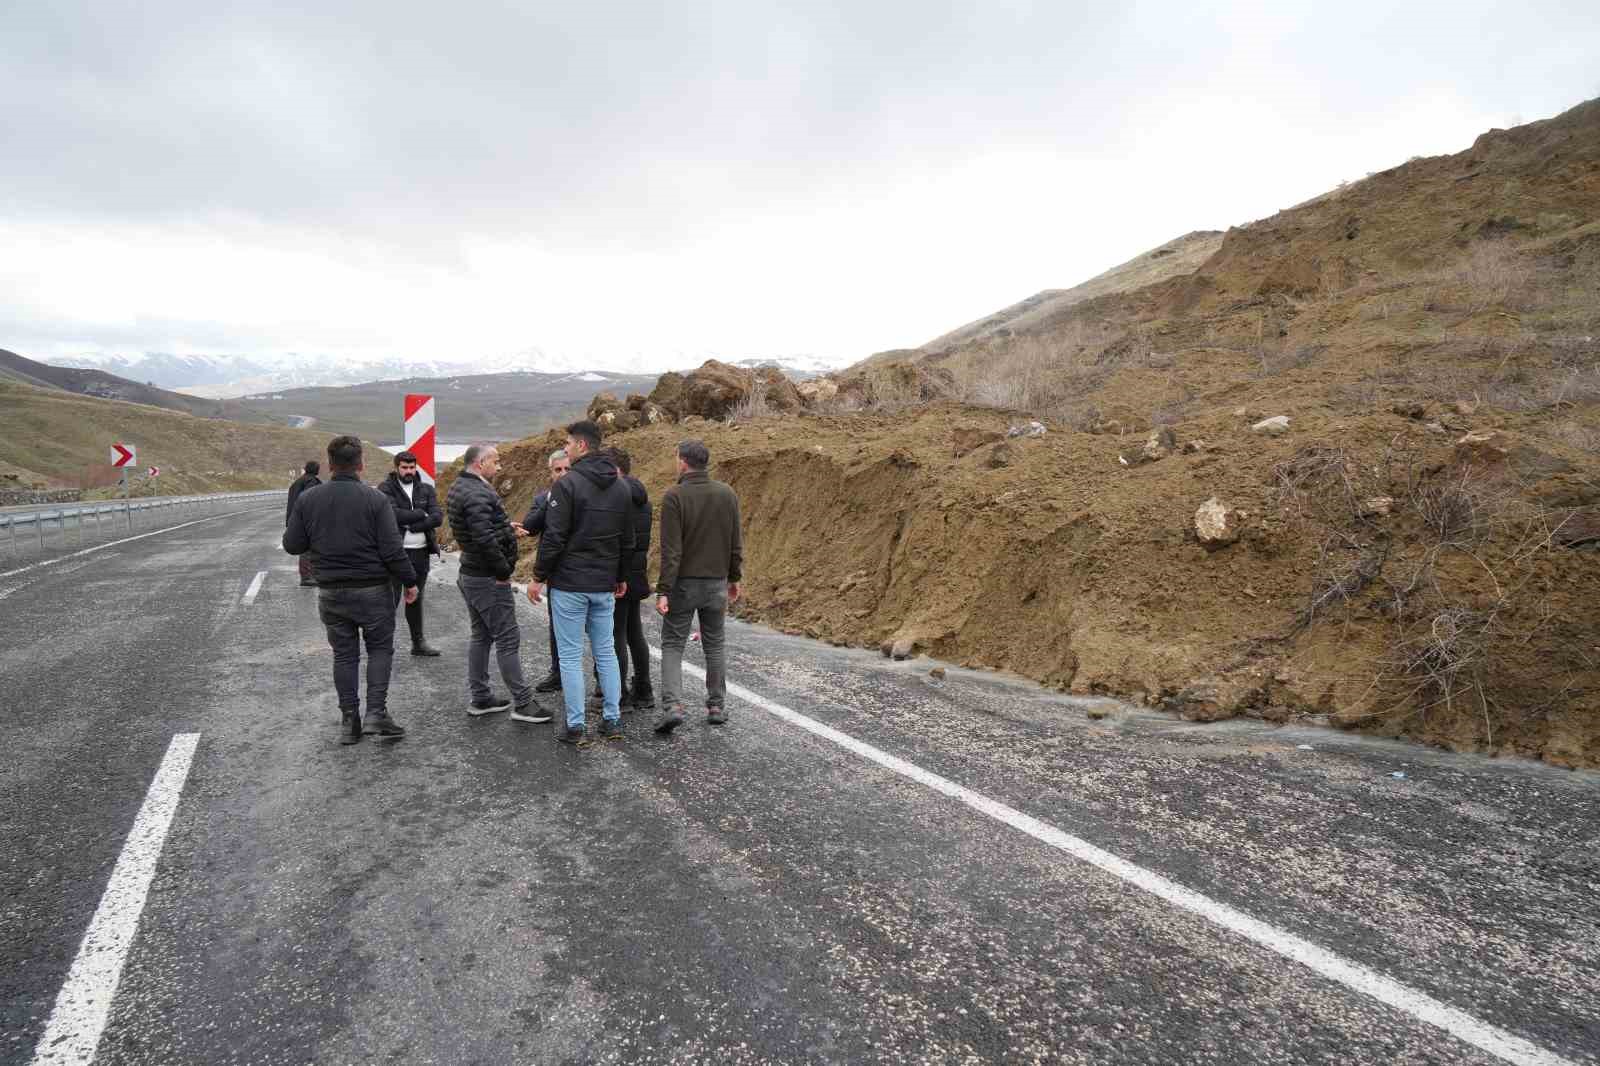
(405, 464)
(620, 457)
(583, 438)
(344, 455)
(482, 459)
(313, 467)
(558, 464)
(693, 455)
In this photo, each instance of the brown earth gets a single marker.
(1412, 555)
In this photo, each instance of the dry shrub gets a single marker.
(753, 406)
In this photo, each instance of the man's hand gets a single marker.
(411, 594)
(733, 592)
(622, 589)
(535, 592)
(506, 582)
(519, 529)
(661, 606)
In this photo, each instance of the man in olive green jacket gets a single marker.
(702, 555)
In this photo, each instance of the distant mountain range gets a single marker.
(216, 376)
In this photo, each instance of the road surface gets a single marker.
(867, 865)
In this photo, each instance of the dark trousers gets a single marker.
(492, 614)
(420, 560)
(353, 616)
(627, 634)
(707, 598)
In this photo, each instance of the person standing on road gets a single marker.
(488, 556)
(533, 526)
(702, 556)
(296, 487)
(349, 529)
(416, 510)
(627, 631)
(584, 557)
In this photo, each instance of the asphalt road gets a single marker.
(477, 893)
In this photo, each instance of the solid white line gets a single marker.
(249, 596)
(84, 1004)
(1352, 975)
(124, 540)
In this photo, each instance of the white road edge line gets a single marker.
(249, 596)
(1352, 975)
(84, 1005)
(125, 540)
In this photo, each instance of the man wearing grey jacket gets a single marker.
(702, 558)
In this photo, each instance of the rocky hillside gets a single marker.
(1345, 469)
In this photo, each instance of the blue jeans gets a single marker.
(573, 614)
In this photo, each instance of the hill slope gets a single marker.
(102, 385)
(51, 436)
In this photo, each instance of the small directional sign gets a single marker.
(124, 454)
(154, 471)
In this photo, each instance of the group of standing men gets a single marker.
(372, 549)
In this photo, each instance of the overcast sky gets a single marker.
(640, 183)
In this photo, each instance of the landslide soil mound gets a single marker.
(1413, 554)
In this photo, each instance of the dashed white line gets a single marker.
(84, 1005)
(249, 596)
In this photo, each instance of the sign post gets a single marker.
(124, 457)
(419, 432)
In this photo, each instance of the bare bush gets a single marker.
(753, 406)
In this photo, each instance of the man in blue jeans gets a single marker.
(583, 558)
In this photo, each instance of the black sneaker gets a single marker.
(350, 729)
(642, 701)
(530, 712)
(716, 716)
(383, 727)
(551, 683)
(425, 651)
(610, 730)
(492, 705)
(568, 735)
(670, 721)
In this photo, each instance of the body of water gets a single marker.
(442, 453)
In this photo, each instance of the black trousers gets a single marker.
(627, 633)
(354, 616)
(420, 561)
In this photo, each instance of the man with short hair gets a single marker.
(627, 630)
(296, 487)
(488, 556)
(349, 527)
(416, 511)
(583, 557)
(533, 526)
(702, 559)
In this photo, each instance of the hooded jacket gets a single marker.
(478, 521)
(639, 561)
(417, 513)
(296, 487)
(588, 538)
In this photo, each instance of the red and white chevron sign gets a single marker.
(419, 432)
(126, 454)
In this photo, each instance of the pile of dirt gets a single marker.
(1345, 468)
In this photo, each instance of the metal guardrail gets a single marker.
(33, 529)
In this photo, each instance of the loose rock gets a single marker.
(1216, 524)
(1276, 426)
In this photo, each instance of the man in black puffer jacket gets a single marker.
(360, 567)
(488, 555)
(584, 556)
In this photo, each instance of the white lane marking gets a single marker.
(84, 1005)
(249, 596)
(1352, 975)
(125, 540)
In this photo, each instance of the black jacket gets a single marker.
(299, 485)
(533, 521)
(418, 513)
(478, 521)
(639, 561)
(588, 529)
(350, 528)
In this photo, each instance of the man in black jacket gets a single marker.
(360, 565)
(299, 485)
(584, 557)
(416, 510)
(533, 526)
(627, 631)
(488, 556)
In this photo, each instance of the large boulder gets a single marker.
(896, 384)
(817, 391)
(604, 403)
(715, 389)
(780, 393)
(668, 395)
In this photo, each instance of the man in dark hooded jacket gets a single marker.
(299, 485)
(584, 557)
(627, 631)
